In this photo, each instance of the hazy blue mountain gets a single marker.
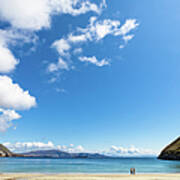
(61, 154)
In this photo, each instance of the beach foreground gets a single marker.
(89, 177)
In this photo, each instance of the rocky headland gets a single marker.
(172, 151)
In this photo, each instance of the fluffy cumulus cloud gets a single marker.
(6, 118)
(29, 14)
(36, 14)
(33, 146)
(112, 151)
(94, 60)
(8, 37)
(7, 60)
(13, 96)
(131, 151)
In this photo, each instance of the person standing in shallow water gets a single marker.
(132, 171)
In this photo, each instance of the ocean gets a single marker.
(120, 165)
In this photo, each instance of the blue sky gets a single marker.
(98, 74)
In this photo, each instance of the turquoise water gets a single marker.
(122, 165)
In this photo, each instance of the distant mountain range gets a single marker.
(61, 154)
(5, 152)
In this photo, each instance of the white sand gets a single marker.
(89, 177)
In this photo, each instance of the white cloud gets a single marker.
(95, 31)
(77, 51)
(36, 14)
(77, 38)
(11, 36)
(131, 151)
(129, 25)
(25, 17)
(29, 14)
(6, 118)
(53, 79)
(121, 46)
(7, 60)
(29, 146)
(99, 29)
(70, 7)
(128, 38)
(71, 148)
(62, 46)
(61, 64)
(13, 96)
(112, 151)
(33, 146)
(80, 148)
(94, 60)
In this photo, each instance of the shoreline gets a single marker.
(81, 173)
(82, 176)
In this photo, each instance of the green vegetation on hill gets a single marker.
(5, 152)
(172, 151)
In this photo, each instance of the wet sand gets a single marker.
(89, 177)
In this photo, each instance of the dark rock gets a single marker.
(172, 151)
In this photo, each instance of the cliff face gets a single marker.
(4, 152)
(172, 151)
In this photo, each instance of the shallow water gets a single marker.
(120, 165)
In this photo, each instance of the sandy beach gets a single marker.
(89, 177)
